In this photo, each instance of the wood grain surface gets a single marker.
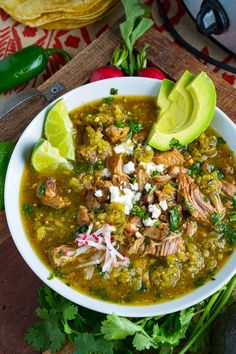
(18, 292)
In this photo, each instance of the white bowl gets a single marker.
(126, 86)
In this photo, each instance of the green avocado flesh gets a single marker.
(186, 110)
(165, 90)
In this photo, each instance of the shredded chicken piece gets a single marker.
(83, 217)
(167, 193)
(47, 194)
(91, 200)
(119, 178)
(132, 226)
(175, 170)
(162, 179)
(228, 188)
(116, 134)
(169, 246)
(191, 228)
(142, 178)
(156, 233)
(169, 158)
(62, 256)
(216, 201)
(198, 205)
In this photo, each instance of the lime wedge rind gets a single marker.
(46, 158)
(59, 130)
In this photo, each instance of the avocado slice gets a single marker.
(165, 90)
(191, 108)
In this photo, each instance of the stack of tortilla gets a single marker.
(58, 14)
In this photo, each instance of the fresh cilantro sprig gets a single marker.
(137, 210)
(87, 167)
(134, 127)
(61, 321)
(174, 218)
(134, 26)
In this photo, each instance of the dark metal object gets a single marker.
(212, 18)
(48, 95)
(188, 46)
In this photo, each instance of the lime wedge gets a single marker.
(59, 131)
(46, 158)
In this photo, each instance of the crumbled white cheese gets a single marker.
(147, 187)
(156, 212)
(163, 205)
(129, 168)
(138, 234)
(98, 193)
(134, 186)
(137, 197)
(149, 222)
(127, 197)
(151, 167)
(160, 167)
(125, 148)
(106, 172)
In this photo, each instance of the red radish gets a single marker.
(105, 72)
(154, 73)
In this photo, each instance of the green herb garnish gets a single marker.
(152, 190)
(174, 143)
(215, 218)
(137, 210)
(134, 126)
(174, 218)
(219, 172)
(61, 321)
(87, 167)
(156, 173)
(82, 229)
(113, 91)
(108, 99)
(220, 141)
(119, 124)
(195, 169)
(134, 26)
(27, 209)
(232, 217)
(42, 189)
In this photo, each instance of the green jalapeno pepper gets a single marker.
(22, 66)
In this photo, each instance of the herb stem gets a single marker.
(225, 295)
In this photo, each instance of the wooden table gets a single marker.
(19, 284)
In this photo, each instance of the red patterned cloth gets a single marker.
(14, 36)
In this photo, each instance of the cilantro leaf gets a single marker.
(142, 342)
(173, 330)
(219, 172)
(113, 91)
(195, 169)
(174, 143)
(108, 99)
(174, 218)
(220, 141)
(134, 126)
(45, 335)
(88, 167)
(87, 344)
(215, 218)
(28, 210)
(115, 327)
(137, 210)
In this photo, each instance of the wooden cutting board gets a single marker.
(18, 292)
